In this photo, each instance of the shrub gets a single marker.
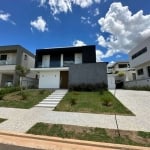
(106, 101)
(24, 96)
(120, 74)
(41, 92)
(88, 87)
(73, 101)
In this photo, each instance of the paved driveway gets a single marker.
(20, 120)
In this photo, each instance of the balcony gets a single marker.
(5, 62)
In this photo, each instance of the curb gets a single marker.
(47, 142)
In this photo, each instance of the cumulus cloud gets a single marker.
(78, 43)
(99, 53)
(6, 17)
(124, 28)
(58, 6)
(40, 24)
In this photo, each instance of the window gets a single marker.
(148, 71)
(25, 57)
(144, 50)
(68, 60)
(3, 57)
(55, 61)
(140, 72)
(122, 65)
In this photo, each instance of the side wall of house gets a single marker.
(92, 73)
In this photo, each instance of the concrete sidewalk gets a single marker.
(20, 120)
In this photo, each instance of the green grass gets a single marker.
(144, 134)
(24, 99)
(89, 134)
(92, 102)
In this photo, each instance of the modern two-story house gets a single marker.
(139, 58)
(62, 67)
(10, 56)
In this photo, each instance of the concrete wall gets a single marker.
(111, 81)
(143, 58)
(91, 73)
(138, 83)
(49, 79)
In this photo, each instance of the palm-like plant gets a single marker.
(21, 72)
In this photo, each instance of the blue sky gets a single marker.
(115, 27)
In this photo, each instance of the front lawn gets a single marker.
(25, 99)
(92, 102)
(91, 134)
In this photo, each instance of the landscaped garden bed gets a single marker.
(24, 98)
(92, 134)
(92, 102)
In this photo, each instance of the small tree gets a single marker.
(21, 72)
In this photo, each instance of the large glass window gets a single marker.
(68, 60)
(3, 57)
(55, 60)
(140, 72)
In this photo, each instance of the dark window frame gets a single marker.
(3, 57)
(140, 72)
(142, 51)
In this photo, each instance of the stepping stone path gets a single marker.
(52, 100)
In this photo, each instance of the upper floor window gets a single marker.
(25, 57)
(68, 60)
(142, 51)
(3, 57)
(122, 65)
(140, 72)
(55, 60)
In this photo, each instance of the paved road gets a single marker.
(20, 120)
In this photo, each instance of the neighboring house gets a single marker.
(118, 73)
(139, 58)
(63, 67)
(10, 56)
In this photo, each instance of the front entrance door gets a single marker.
(64, 79)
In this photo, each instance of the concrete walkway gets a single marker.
(20, 120)
(53, 99)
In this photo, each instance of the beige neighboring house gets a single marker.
(10, 56)
(118, 73)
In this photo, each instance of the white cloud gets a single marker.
(125, 29)
(118, 56)
(40, 24)
(78, 43)
(96, 12)
(86, 20)
(59, 6)
(42, 2)
(6, 17)
(99, 54)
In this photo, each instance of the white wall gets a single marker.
(49, 79)
(138, 83)
(45, 60)
(78, 58)
(111, 81)
(143, 58)
(145, 71)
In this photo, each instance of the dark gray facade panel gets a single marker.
(91, 73)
